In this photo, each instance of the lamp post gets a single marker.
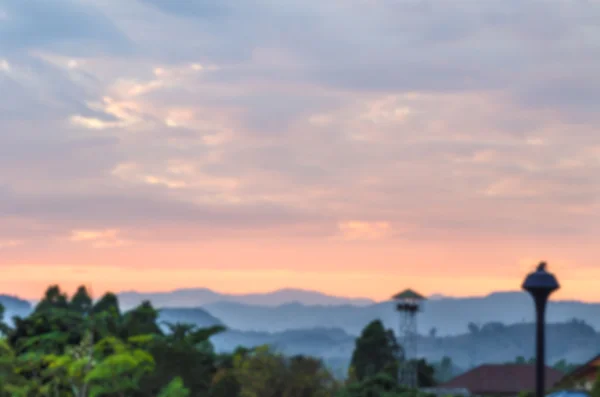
(540, 284)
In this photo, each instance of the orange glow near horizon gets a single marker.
(373, 270)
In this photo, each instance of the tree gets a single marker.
(72, 367)
(425, 374)
(107, 316)
(260, 373)
(175, 389)
(433, 332)
(54, 298)
(376, 351)
(185, 352)
(75, 348)
(225, 384)
(565, 367)
(10, 381)
(81, 302)
(48, 329)
(108, 302)
(308, 377)
(119, 370)
(473, 328)
(595, 392)
(444, 370)
(142, 320)
(379, 385)
(264, 373)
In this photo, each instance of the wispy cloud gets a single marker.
(477, 121)
(356, 230)
(4, 244)
(99, 238)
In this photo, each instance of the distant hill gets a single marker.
(573, 341)
(14, 306)
(449, 316)
(199, 317)
(201, 296)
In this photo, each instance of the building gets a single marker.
(501, 380)
(582, 377)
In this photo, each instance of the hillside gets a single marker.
(573, 341)
(449, 316)
(14, 306)
(199, 317)
(195, 297)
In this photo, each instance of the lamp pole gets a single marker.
(540, 284)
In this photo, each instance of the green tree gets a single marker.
(54, 298)
(565, 367)
(425, 374)
(595, 392)
(175, 389)
(308, 377)
(225, 384)
(379, 385)
(142, 320)
(264, 373)
(186, 352)
(120, 369)
(108, 319)
(444, 370)
(376, 351)
(9, 378)
(260, 373)
(81, 302)
(72, 367)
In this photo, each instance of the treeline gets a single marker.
(71, 346)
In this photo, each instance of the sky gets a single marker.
(355, 147)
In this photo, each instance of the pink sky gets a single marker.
(448, 149)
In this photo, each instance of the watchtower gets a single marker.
(408, 304)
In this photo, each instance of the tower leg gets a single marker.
(408, 335)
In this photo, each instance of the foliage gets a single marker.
(175, 389)
(264, 373)
(425, 374)
(595, 392)
(376, 351)
(565, 367)
(75, 347)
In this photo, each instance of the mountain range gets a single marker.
(297, 309)
(194, 297)
(289, 309)
(494, 328)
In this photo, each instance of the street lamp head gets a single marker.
(540, 282)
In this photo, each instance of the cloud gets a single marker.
(58, 25)
(5, 244)
(450, 121)
(356, 230)
(147, 212)
(99, 238)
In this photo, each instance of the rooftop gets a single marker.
(501, 378)
(409, 294)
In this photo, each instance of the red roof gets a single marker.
(501, 378)
(591, 366)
